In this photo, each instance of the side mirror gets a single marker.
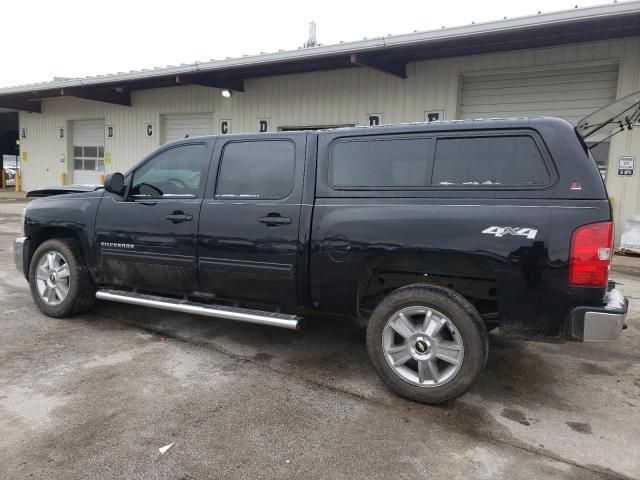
(114, 183)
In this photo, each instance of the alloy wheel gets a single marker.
(52, 278)
(422, 346)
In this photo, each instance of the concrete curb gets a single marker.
(9, 195)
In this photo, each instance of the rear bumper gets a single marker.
(20, 249)
(599, 324)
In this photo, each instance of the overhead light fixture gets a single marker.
(226, 93)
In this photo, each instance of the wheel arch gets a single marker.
(40, 235)
(377, 283)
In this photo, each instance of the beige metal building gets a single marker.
(565, 64)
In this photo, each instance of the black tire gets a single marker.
(464, 317)
(81, 295)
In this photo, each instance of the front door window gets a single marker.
(177, 172)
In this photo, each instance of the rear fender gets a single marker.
(461, 272)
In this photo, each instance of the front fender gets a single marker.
(71, 215)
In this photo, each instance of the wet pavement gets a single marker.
(97, 395)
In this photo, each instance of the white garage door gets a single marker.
(571, 94)
(88, 151)
(192, 124)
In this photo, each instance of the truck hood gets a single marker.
(50, 191)
(616, 117)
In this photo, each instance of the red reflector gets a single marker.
(591, 255)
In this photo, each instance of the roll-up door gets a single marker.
(176, 126)
(88, 151)
(571, 93)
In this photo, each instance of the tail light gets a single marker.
(591, 255)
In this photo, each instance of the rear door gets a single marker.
(248, 238)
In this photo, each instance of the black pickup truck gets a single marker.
(433, 233)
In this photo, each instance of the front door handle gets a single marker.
(179, 217)
(275, 219)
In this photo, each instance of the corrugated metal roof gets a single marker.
(366, 46)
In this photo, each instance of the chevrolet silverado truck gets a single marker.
(433, 233)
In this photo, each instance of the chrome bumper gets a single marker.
(18, 254)
(600, 324)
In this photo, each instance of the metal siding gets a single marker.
(625, 191)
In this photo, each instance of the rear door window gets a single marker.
(257, 170)
(497, 160)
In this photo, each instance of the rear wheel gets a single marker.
(59, 279)
(427, 343)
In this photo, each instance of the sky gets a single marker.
(77, 38)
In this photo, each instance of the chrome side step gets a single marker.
(291, 322)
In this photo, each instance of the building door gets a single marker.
(176, 126)
(88, 151)
(571, 94)
(248, 245)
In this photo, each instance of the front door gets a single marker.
(248, 239)
(147, 239)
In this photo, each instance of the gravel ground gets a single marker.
(95, 396)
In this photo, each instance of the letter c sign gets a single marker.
(148, 129)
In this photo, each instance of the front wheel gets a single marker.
(427, 343)
(59, 279)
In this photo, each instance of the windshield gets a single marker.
(615, 117)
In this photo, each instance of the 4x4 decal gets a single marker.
(516, 231)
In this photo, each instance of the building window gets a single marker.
(88, 158)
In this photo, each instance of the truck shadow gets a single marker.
(332, 352)
(518, 374)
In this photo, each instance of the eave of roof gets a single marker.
(390, 54)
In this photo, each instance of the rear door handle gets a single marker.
(273, 220)
(179, 217)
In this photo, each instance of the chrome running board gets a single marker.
(291, 322)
